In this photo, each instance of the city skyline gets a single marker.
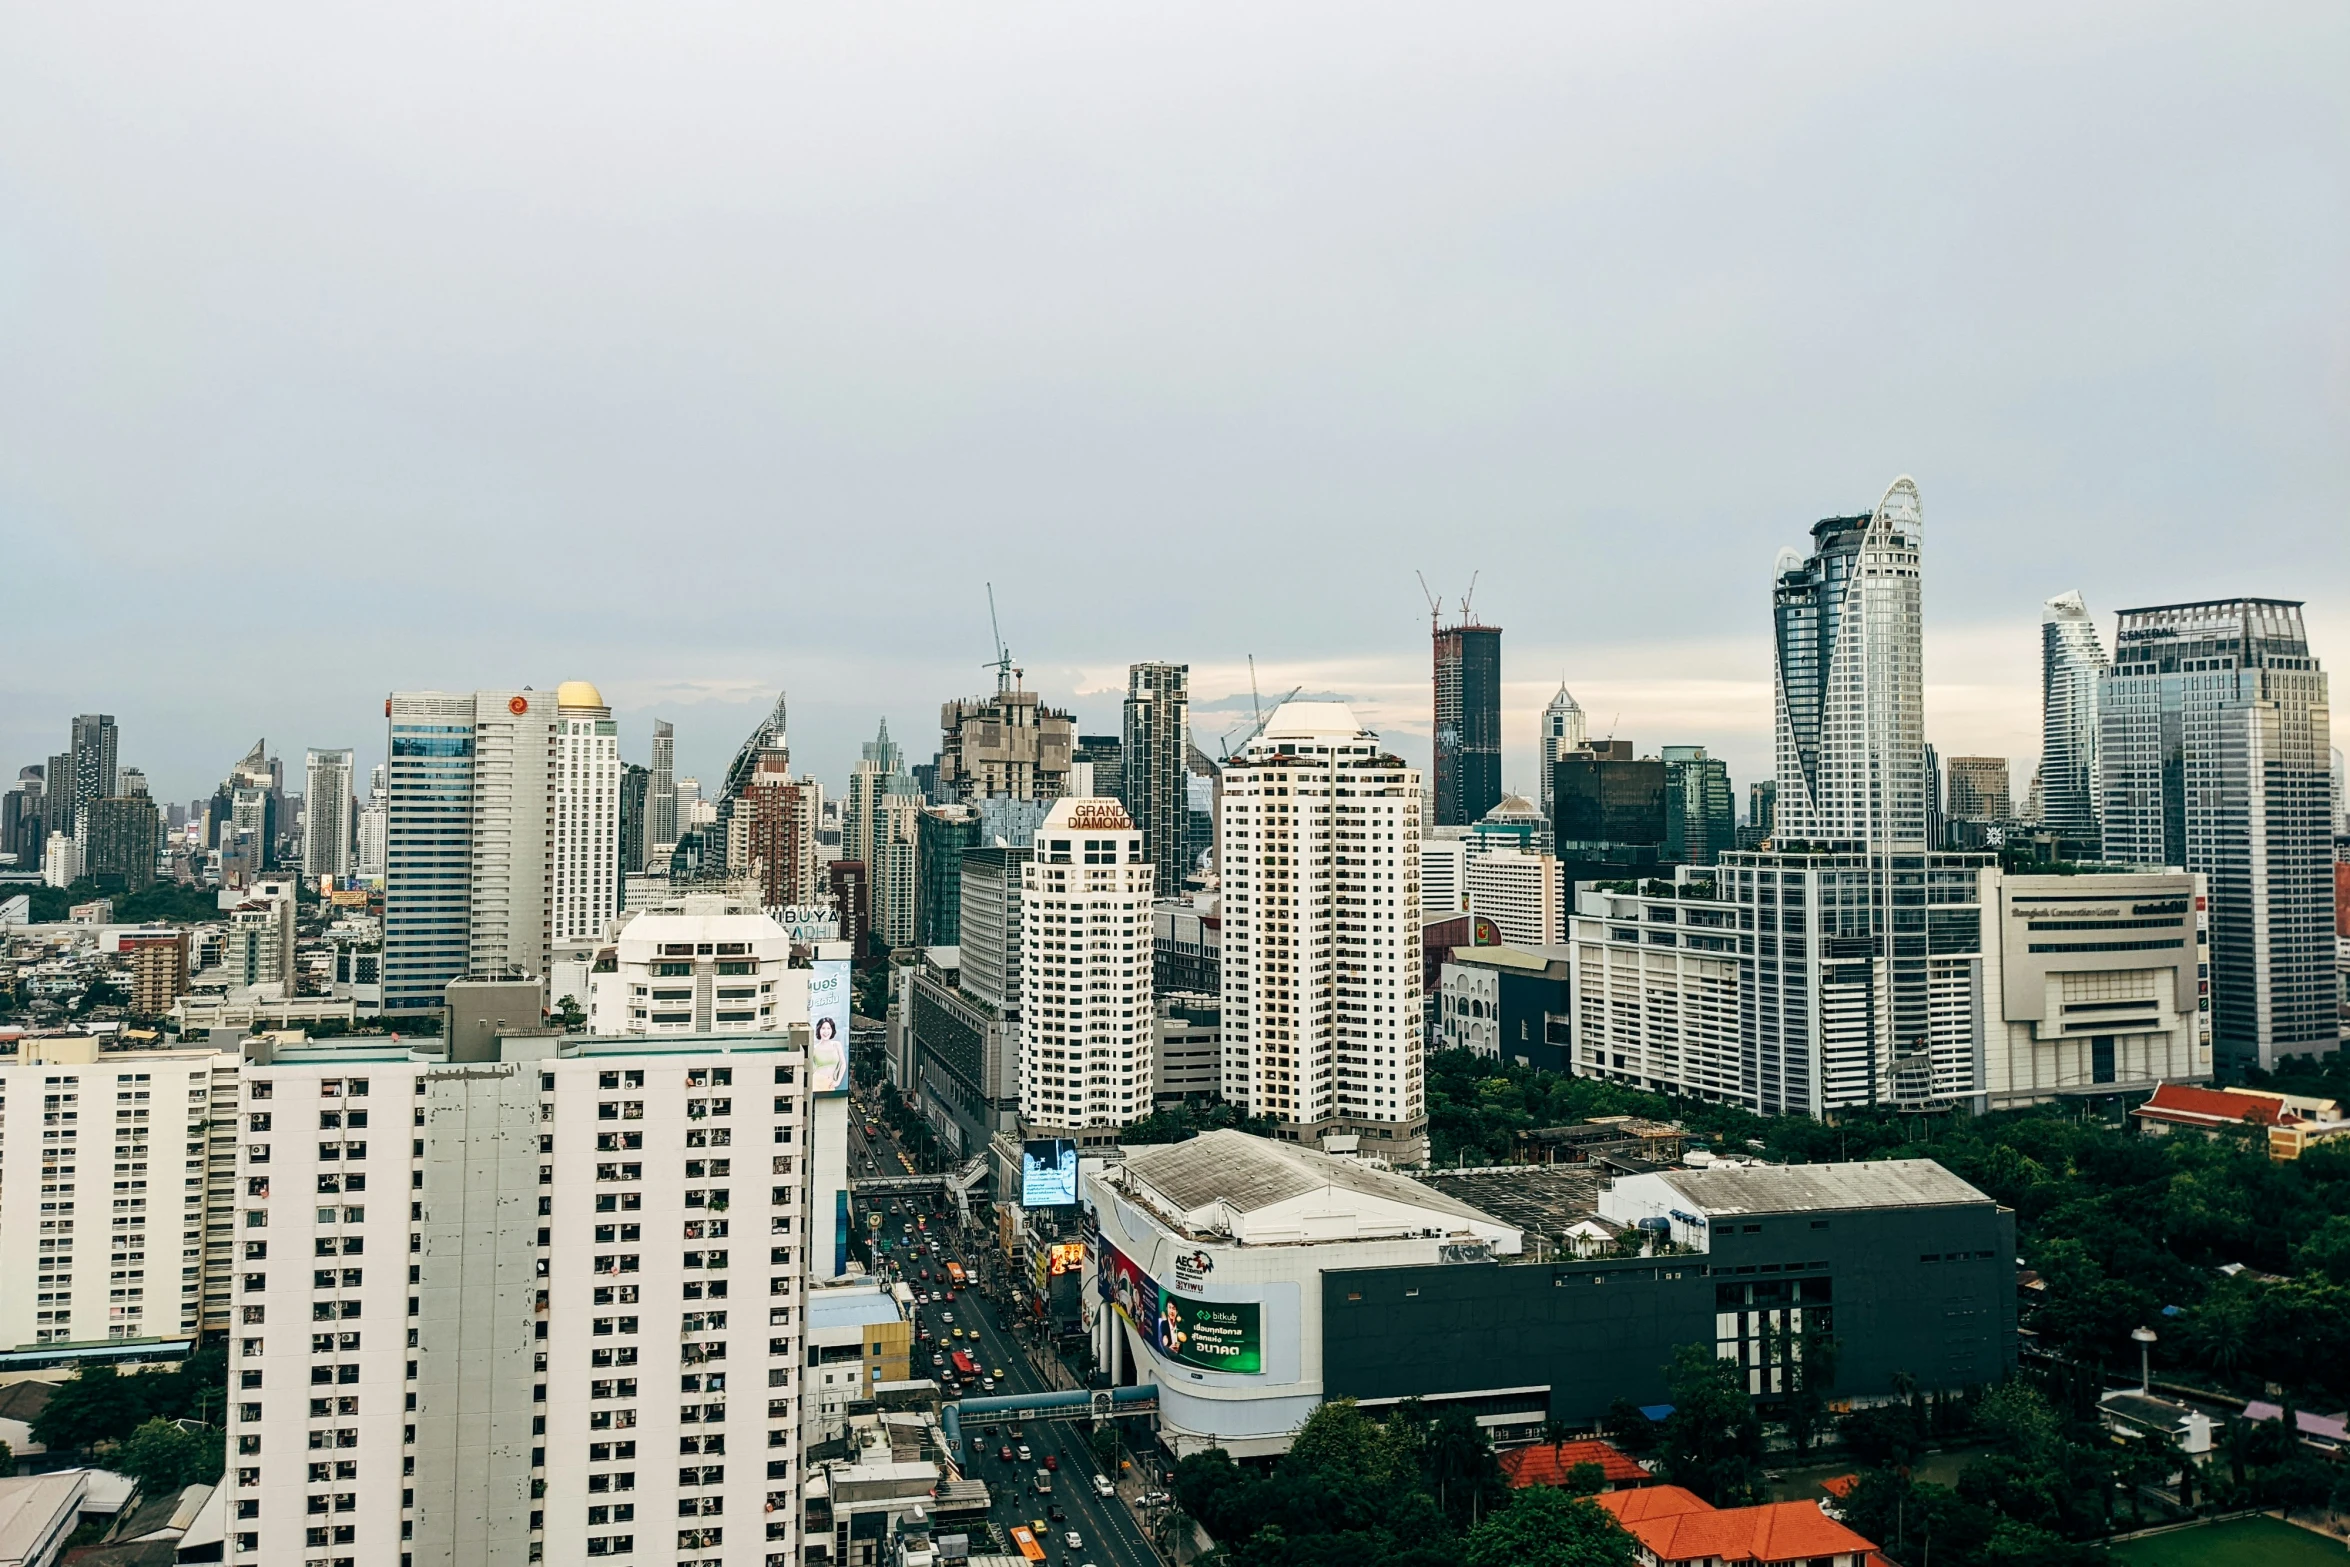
(1464, 303)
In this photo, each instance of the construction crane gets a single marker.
(1259, 718)
(1002, 662)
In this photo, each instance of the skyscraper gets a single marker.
(1467, 721)
(326, 833)
(1979, 790)
(661, 789)
(1562, 731)
(1153, 759)
(1085, 1057)
(1850, 685)
(635, 786)
(57, 793)
(587, 814)
(94, 761)
(2213, 742)
(374, 826)
(1322, 1014)
(1701, 811)
(1008, 743)
(2072, 663)
(468, 883)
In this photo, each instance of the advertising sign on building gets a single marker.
(1215, 1335)
(828, 1027)
(1048, 1173)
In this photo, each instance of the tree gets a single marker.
(1884, 1436)
(95, 1404)
(571, 1015)
(1545, 1527)
(163, 1458)
(1713, 1440)
(1585, 1479)
(1107, 1448)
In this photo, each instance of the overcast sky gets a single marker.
(706, 350)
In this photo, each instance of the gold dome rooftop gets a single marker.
(578, 693)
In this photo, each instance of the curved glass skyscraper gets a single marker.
(2071, 660)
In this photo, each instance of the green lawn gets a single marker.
(2241, 1542)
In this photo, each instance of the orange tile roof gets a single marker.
(1681, 1527)
(1840, 1486)
(1543, 1464)
(2190, 1105)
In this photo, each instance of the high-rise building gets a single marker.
(852, 895)
(661, 826)
(698, 963)
(587, 814)
(1085, 1057)
(1105, 755)
(124, 835)
(510, 1332)
(895, 869)
(130, 783)
(94, 761)
(635, 785)
(374, 826)
(1008, 743)
(1562, 731)
(1701, 811)
(2072, 664)
(942, 833)
(1608, 813)
(1467, 721)
(1155, 760)
(779, 813)
(1850, 682)
(158, 963)
(1978, 789)
(61, 861)
(1520, 893)
(469, 873)
(139, 1269)
(989, 924)
(248, 809)
(1762, 805)
(1937, 821)
(21, 825)
(2213, 751)
(58, 793)
(326, 823)
(1321, 950)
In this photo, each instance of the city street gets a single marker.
(1111, 1536)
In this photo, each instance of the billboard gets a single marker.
(1048, 1173)
(828, 1027)
(1215, 1335)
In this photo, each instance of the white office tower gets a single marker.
(587, 814)
(1850, 690)
(104, 1187)
(1520, 893)
(61, 861)
(374, 827)
(1444, 874)
(2071, 664)
(1562, 731)
(468, 867)
(1085, 956)
(540, 1306)
(699, 963)
(1321, 954)
(2215, 752)
(326, 814)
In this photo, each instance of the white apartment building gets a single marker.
(374, 826)
(542, 1307)
(699, 963)
(1085, 933)
(1444, 874)
(1321, 953)
(326, 814)
(587, 814)
(1520, 893)
(106, 1190)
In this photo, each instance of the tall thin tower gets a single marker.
(2071, 663)
(661, 789)
(1562, 731)
(1467, 716)
(1154, 753)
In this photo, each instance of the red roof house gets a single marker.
(1674, 1527)
(1544, 1464)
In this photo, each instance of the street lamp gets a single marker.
(2145, 1340)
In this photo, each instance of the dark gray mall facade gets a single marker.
(1920, 1294)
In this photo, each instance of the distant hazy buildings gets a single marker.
(1977, 789)
(2072, 665)
(327, 806)
(123, 836)
(1701, 812)
(1154, 764)
(661, 788)
(1467, 721)
(374, 826)
(2214, 757)
(95, 746)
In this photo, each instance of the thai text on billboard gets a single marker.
(1215, 1335)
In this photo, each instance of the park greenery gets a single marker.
(163, 903)
(160, 1427)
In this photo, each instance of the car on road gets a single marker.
(1004, 1453)
(1044, 1482)
(1103, 1488)
(987, 1384)
(1154, 1498)
(1024, 1455)
(946, 1316)
(999, 1372)
(1052, 1460)
(1074, 1540)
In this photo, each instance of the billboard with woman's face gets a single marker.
(828, 1027)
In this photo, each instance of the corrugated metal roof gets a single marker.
(1250, 1174)
(1793, 1188)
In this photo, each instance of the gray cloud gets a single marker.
(702, 350)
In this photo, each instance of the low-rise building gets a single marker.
(858, 1338)
(1674, 1527)
(1187, 1066)
(1507, 1004)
